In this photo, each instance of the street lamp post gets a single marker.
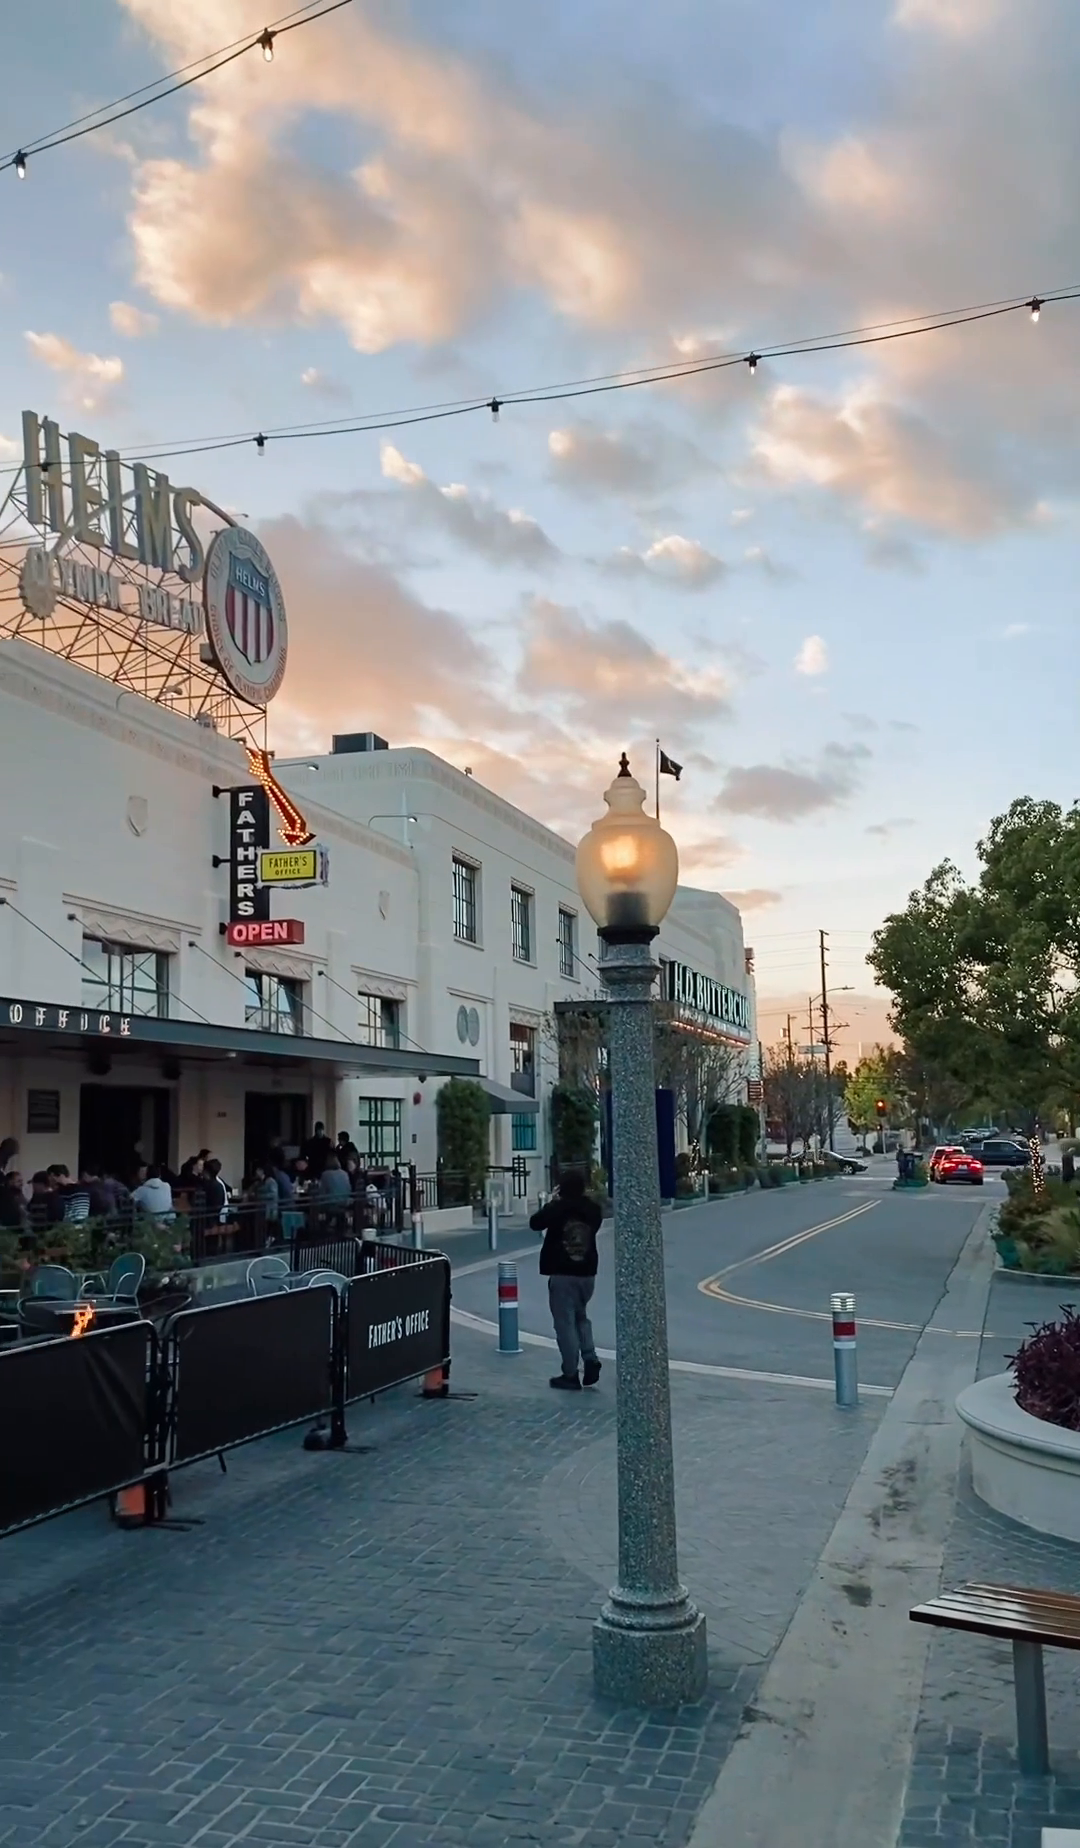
(649, 1640)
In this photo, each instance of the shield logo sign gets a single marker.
(249, 611)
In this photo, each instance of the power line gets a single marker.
(168, 85)
(372, 423)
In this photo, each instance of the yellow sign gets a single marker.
(289, 866)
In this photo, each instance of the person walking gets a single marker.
(568, 1259)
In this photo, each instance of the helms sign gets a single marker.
(126, 542)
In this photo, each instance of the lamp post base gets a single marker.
(650, 1655)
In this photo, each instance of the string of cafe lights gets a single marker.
(169, 85)
(873, 334)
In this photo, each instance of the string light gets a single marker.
(850, 338)
(174, 81)
(1036, 307)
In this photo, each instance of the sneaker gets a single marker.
(591, 1373)
(566, 1382)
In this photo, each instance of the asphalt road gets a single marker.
(740, 1294)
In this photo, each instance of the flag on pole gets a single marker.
(668, 766)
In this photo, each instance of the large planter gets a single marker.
(1020, 1465)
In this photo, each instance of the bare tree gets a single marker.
(701, 1067)
(792, 1101)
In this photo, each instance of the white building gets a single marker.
(440, 943)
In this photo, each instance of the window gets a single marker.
(275, 1003)
(567, 946)
(521, 923)
(523, 1134)
(120, 980)
(378, 1135)
(380, 1022)
(523, 1059)
(465, 884)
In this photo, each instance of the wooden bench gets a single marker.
(1031, 1620)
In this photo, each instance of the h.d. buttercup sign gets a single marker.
(690, 989)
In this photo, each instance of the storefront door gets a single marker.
(271, 1117)
(119, 1127)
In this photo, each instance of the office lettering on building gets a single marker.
(701, 995)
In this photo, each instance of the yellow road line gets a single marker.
(712, 1286)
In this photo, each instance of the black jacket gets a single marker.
(570, 1228)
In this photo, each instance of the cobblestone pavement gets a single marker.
(965, 1786)
(394, 1647)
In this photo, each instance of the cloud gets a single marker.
(608, 674)
(1014, 630)
(860, 721)
(903, 725)
(740, 515)
(133, 323)
(756, 898)
(954, 18)
(90, 379)
(10, 449)
(502, 537)
(760, 559)
(779, 792)
(682, 562)
(884, 829)
(639, 459)
(886, 461)
(321, 385)
(364, 653)
(813, 656)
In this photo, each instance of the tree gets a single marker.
(463, 1110)
(877, 1078)
(985, 977)
(574, 1111)
(791, 1095)
(701, 1068)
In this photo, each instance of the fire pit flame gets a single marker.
(84, 1316)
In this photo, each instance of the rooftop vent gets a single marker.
(345, 742)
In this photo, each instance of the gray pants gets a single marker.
(569, 1298)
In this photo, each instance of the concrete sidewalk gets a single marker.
(822, 1760)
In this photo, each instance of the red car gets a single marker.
(958, 1165)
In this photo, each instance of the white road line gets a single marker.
(481, 1326)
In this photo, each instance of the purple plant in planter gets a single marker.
(1047, 1370)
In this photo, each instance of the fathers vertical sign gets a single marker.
(249, 835)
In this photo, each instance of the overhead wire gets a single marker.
(167, 86)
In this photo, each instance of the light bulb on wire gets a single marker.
(20, 164)
(1035, 306)
(494, 407)
(752, 363)
(266, 40)
(260, 444)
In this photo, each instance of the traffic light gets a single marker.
(881, 1107)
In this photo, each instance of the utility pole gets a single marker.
(827, 1041)
(813, 1060)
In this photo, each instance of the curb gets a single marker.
(822, 1760)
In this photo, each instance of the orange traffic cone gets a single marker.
(437, 1382)
(129, 1507)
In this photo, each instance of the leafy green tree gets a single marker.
(574, 1110)
(985, 977)
(877, 1078)
(463, 1112)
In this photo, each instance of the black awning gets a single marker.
(53, 1026)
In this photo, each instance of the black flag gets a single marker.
(668, 766)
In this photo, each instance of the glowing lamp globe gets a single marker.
(627, 866)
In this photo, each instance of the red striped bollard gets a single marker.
(508, 1309)
(845, 1362)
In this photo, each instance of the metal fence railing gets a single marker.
(122, 1406)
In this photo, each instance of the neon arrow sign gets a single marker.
(292, 827)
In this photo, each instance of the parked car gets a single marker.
(960, 1165)
(943, 1149)
(998, 1153)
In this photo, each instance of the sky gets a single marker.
(839, 589)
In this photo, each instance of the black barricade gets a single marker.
(398, 1325)
(74, 1416)
(337, 1253)
(241, 1370)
